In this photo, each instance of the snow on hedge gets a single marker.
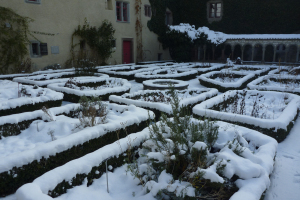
(111, 85)
(9, 95)
(169, 73)
(127, 70)
(51, 78)
(227, 83)
(118, 116)
(185, 97)
(213, 36)
(253, 166)
(282, 83)
(281, 119)
(246, 69)
(163, 83)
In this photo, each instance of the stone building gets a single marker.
(55, 21)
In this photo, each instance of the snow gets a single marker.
(283, 83)
(121, 85)
(175, 83)
(282, 121)
(170, 73)
(185, 98)
(9, 95)
(235, 83)
(53, 78)
(130, 115)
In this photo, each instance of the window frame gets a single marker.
(148, 11)
(40, 51)
(33, 1)
(213, 10)
(120, 17)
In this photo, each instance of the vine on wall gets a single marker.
(13, 41)
(100, 40)
(138, 31)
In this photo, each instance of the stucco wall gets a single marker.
(55, 20)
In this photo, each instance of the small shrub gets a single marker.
(92, 112)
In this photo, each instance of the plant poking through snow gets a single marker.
(92, 111)
(178, 151)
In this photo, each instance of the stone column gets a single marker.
(223, 54)
(286, 52)
(243, 47)
(263, 52)
(232, 51)
(274, 55)
(252, 56)
(298, 51)
(213, 49)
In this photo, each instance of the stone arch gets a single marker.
(218, 53)
(292, 53)
(209, 53)
(247, 56)
(280, 53)
(257, 53)
(269, 53)
(227, 51)
(237, 51)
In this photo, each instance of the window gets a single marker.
(147, 10)
(168, 20)
(122, 11)
(38, 49)
(215, 10)
(113, 43)
(33, 1)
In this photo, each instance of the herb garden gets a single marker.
(178, 131)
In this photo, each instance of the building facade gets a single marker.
(55, 21)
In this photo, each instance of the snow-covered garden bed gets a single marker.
(59, 135)
(101, 87)
(160, 100)
(203, 68)
(238, 167)
(17, 98)
(163, 84)
(246, 69)
(282, 83)
(226, 80)
(272, 113)
(127, 72)
(43, 80)
(171, 73)
(286, 70)
(50, 71)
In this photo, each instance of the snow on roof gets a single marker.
(263, 36)
(219, 37)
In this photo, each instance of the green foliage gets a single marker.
(99, 39)
(13, 40)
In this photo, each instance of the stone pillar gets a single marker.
(243, 47)
(252, 56)
(263, 53)
(213, 49)
(298, 51)
(232, 51)
(274, 55)
(286, 52)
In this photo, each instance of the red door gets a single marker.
(126, 52)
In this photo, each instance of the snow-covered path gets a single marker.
(285, 179)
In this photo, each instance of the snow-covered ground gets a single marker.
(285, 179)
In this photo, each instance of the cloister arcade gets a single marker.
(285, 49)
